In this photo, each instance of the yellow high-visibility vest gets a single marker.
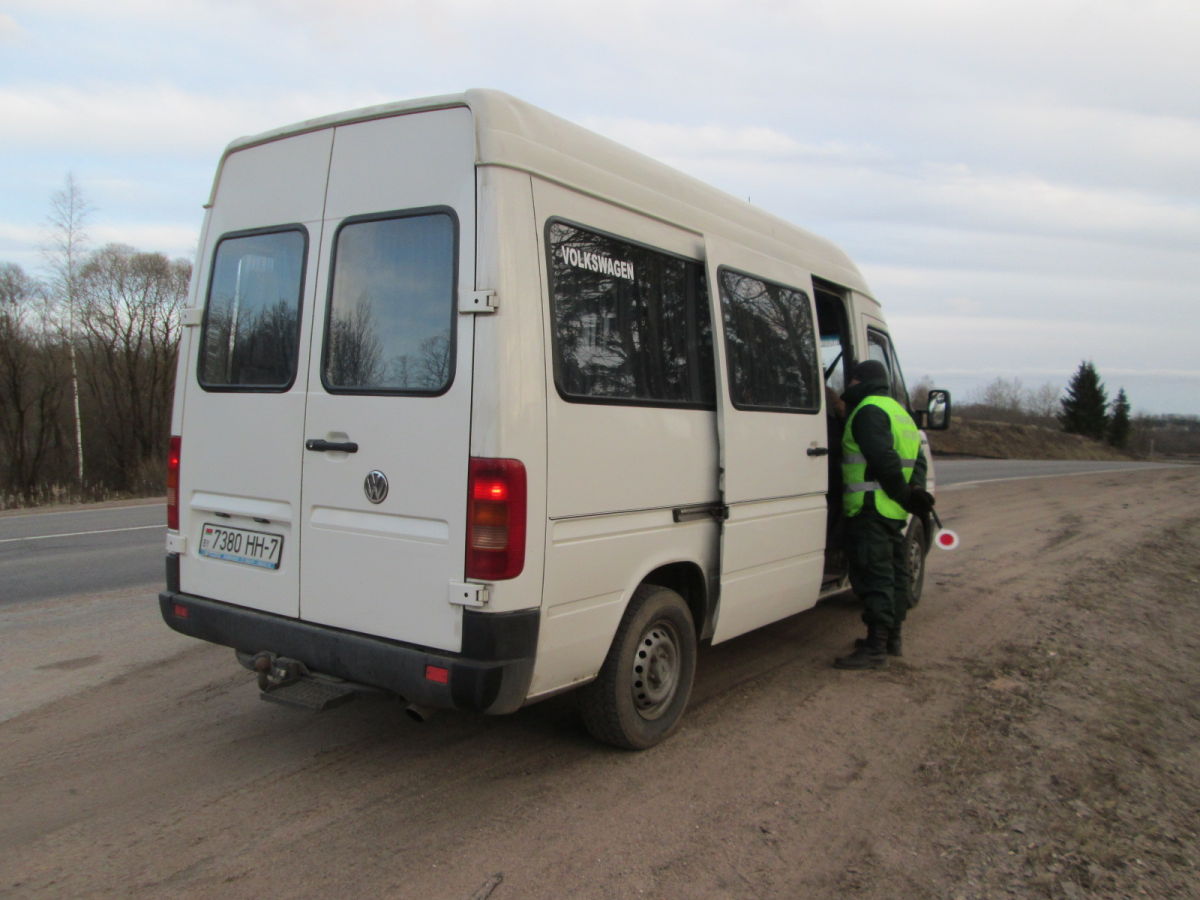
(906, 440)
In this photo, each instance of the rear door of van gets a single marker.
(383, 531)
(244, 379)
(326, 420)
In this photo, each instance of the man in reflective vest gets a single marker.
(883, 475)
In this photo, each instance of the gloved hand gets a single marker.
(920, 502)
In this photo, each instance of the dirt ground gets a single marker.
(1040, 738)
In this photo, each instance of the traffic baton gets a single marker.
(945, 539)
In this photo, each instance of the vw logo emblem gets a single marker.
(375, 486)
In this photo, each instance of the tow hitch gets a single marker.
(277, 671)
(288, 681)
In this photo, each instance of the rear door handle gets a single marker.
(325, 446)
(818, 451)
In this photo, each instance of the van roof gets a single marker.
(515, 134)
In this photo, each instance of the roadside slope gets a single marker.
(1007, 440)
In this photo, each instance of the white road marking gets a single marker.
(32, 512)
(965, 484)
(46, 537)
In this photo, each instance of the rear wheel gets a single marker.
(644, 685)
(914, 546)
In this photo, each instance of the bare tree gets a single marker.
(918, 395)
(30, 386)
(1043, 402)
(130, 335)
(64, 250)
(1003, 395)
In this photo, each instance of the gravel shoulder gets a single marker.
(1041, 738)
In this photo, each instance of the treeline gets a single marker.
(1008, 400)
(1170, 435)
(87, 367)
(1080, 407)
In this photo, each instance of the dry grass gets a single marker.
(1003, 440)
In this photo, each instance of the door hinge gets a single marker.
(191, 316)
(478, 302)
(177, 543)
(463, 594)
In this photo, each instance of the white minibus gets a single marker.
(474, 406)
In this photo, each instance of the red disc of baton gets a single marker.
(946, 539)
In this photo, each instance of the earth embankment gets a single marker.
(1007, 440)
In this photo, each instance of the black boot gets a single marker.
(893, 645)
(871, 655)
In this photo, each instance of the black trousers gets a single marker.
(879, 572)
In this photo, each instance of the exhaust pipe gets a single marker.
(419, 713)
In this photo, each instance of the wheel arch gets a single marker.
(687, 579)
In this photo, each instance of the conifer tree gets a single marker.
(1118, 423)
(1085, 406)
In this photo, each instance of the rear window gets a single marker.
(251, 329)
(391, 306)
(631, 324)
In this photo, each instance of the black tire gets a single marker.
(643, 687)
(916, 548)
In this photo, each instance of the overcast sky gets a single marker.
(1019, 182)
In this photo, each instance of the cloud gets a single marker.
(954, 345)
(151, 119)
(986, 165)
(19, 232)
(175, 241)
(758, 142)
(22, 243)
(861, 182)
(10, 31)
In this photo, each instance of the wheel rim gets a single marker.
(656, 665)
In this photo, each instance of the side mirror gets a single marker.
(937, 411)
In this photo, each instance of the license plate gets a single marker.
(253, 548)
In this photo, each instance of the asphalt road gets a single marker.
(95, 549)
(80, 551)
(963, 472)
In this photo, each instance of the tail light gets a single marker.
(176, 448)
(496, 508)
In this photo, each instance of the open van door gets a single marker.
(773, 449)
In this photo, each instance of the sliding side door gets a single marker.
(772, 430)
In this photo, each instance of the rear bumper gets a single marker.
(491, 675)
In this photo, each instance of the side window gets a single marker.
(879, 347)
(771, 345)
(252, 316)
(630, 324)
(391, 306)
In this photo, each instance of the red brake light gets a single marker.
(490, 489)
(496, 510)
(173, 455)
